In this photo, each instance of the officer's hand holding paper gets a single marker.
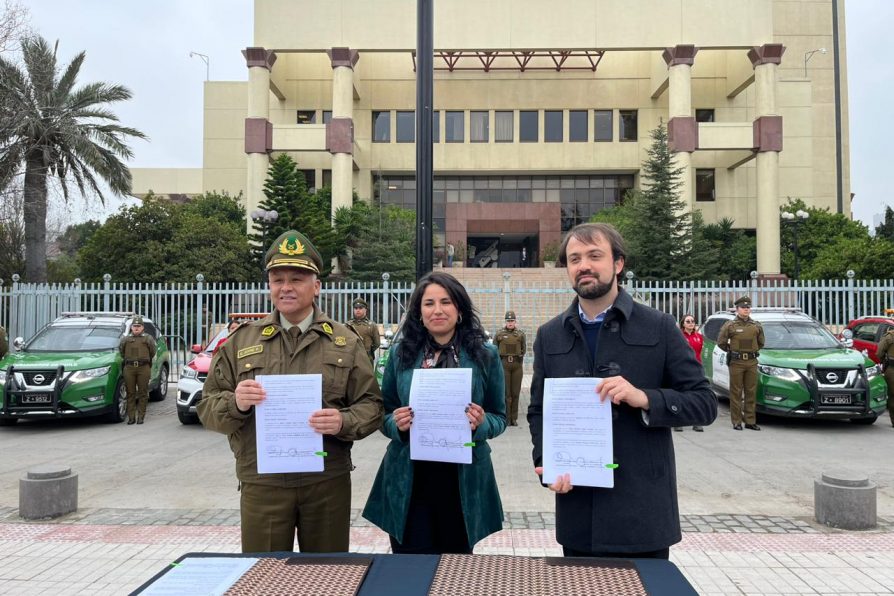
(285, 440)
(441, 431)
(577, 432)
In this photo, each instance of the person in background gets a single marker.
(432, 507)
(696, 341)
(742, 339)
(137, 351)
(511, 344)
(365, 328)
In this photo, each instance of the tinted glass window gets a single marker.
(327, 116)
(578, 127)
(552, 123)
(89, 338)
(704, 185)
(704, 115)
(798, 335)
(381, 124)
(406, 127)
(453, 127)
(479, 130)
(307, 116)
(628, 131)
(436, 126)
(504, 125)
(527, 127)
(712, 328)
(866, 331)
(603, 125)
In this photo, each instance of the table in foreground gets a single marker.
(413, 575)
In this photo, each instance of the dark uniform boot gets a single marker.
(140, 420)
(130, 420)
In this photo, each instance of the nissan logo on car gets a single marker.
(39, 379)
(831, 377)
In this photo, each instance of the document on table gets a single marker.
(577, 433)
(440, 429)
(208, 576)
(285, 440)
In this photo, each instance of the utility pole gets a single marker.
(424, 167)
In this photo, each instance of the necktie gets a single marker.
(294, 334)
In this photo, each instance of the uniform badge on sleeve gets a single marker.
(327, 328)
(340, 341)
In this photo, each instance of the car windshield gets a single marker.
(212, 345)
(68, 338)
(798, 335)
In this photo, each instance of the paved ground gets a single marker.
(154, 492)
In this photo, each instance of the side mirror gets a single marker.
(18, 343)
(847, 334)
(195, 348)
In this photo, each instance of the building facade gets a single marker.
(542, 111)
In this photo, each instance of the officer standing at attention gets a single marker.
(137, 351)
(741, 339)
(366, 329)
(885, 355)
(296, 338)
(511, 344)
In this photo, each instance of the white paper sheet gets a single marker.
(205, 576)
(577, 433)
(440, 429)
(285, 440)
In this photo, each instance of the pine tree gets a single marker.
(886, 228)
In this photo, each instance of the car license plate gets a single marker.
(37, 398)
(833, 399)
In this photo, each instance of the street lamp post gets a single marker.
(808, 55)
(207, 62)
(795, 220)
(264, 219)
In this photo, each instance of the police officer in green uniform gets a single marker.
(137, 351)
(885, 355)
(742, 338)
(511, 344)
(296, 338)
(366, 329)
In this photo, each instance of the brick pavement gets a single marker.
(112, 551)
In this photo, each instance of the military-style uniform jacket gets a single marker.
(137, 348)
(741, 336)
(368, 332)
(261, 348)
(511, 343)
(885, 350)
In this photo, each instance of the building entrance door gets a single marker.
(503, 250)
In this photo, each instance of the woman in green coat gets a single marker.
(434, 507)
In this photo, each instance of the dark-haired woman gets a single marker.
(696, 341)
(434, 507)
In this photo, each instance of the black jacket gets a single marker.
(647, 348)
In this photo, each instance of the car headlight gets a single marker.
(873, 371)
(88, 374)
(187, 372)
(786, 374)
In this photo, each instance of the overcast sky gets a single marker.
(145, 45)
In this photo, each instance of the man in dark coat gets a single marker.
(654, 383)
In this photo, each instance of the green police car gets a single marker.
(72, 368)
(803, 369)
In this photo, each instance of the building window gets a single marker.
(381, 124)
(504, 126)
(479, 127)
(327, 116)
(627, 130)
(578, 126)
(704, 185)
(553, 125)
(406, 127)
(307, 116)
(454, 123)
(704, 115)
(435, 126)
(604, 126)
(527, 127)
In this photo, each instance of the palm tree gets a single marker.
(54, 129)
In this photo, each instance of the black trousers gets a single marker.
(435, 522)
(655, 554)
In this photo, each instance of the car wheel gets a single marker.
(8, 421)
(865, 421)
(119, 404)
(187, 418)
(160, 392)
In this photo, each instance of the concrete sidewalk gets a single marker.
(114, 551)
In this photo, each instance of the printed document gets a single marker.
(440, 430)
(577, 433)
(285, 440)
(205, 576)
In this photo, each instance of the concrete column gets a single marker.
(767, 144)
(681, 126)
(340, 130)
(258, 129)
